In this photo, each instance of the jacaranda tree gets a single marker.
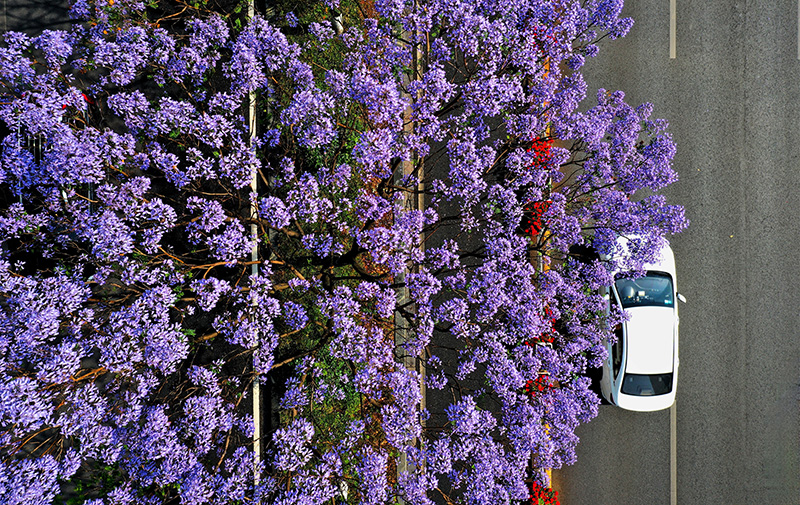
(424, 175)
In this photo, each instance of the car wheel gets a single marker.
(595, 375)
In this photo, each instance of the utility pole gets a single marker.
(251, 119)
(415, 202)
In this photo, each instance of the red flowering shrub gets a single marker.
(541, 147)
(532, 217)
(541, 495)
(542, 383)
(532, 213)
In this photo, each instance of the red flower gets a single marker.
(540, 34)
(541, 149)
(543, 495)
(532, 217)
(539, 385)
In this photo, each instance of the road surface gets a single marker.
(732, 96)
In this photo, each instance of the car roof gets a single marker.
(650, 340)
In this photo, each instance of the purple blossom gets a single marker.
(85, 417)
(56, 47)
(295, 315)
(34, 311)
(275, 212)
(118, 197)
(230, 245)
(125, 54)
(373, 151)
(238, 163)
(109, 235)
(133, 108)
(373, 469)
(299, 284)
(203, 418)
(322, 32)
(61, 364)
(29, 481)
(291, 445)
(401, 418)
(201, 53)
(319, 245)
(211, 215)
(309, 113)
(15, 68)
(24, 404)
(209, 291)
(157, 341)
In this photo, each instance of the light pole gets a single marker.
(251, 123)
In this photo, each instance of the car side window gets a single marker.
(616, 350)
(618, 346)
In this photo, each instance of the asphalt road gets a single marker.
(732, 96)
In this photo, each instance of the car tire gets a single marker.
(595, 375)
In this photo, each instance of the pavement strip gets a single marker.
(673, 454)
(673, 16)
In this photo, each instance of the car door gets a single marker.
(613, 366)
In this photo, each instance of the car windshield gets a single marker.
(654, 289)
(646, 385)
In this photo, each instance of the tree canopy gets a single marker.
(403, 217)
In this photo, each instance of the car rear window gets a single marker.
(654, 289)
(646, 385)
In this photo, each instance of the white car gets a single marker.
(641, 372)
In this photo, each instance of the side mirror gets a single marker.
(681, 298)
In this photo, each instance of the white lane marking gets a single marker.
(672, 27)
(798, 29)
(673, 455)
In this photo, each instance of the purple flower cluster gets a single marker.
(209, 291)
(291, 445)
(29, 481)
(230, 245)
(295, 315)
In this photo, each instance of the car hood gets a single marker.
(650, 340)
(664, 263)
